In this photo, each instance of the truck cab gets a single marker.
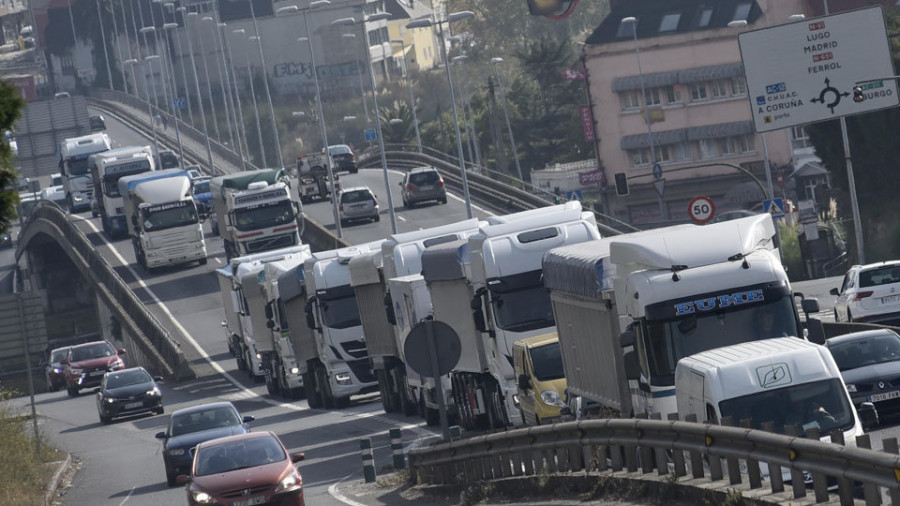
(540, 379)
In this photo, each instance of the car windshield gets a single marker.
(356, 196)
(127, 378)
(340, 313)
(424, 178)
(671, 340)
(524, 309)
(881, 276)
(547, 362)
(58, 354)
(269, 215)
(176, 214)
(204, 419)
(92, 351)
(241, 454)
(201, 187)
(818, 404)
(873, 349)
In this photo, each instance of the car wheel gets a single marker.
(105, 419)
(409, 204)
(203, 261)
(377, 217)
(72, 391)
(344, 223)
(170, 479)
(849, 317)
(444, 200)
(160, 410)
(836, 316)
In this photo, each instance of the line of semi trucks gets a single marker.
(654, 322)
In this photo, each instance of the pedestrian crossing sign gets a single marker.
(775, 207)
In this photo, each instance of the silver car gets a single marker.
(358, 203)
(422, 184)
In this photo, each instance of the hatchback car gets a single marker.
(358, 203)
(97, 122)
(54, 369)
(869, 293)
(167, 159)
(86, 364)
(246, 469)
(128, 392)
(191, 426)
(422, 184)
(870, 365)
(343, 157)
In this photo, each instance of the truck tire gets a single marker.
(309, 386)
(241, 365)
(432, 416)
(328, 401)
(271, 386)
(202, 261)
(387, 398)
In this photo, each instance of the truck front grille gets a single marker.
(270, 243)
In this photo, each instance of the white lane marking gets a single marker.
(334, 492)
(401, 218)
(218, 260)
(127, 496)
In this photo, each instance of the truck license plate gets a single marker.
(885, 396)
(133, 405)
(249, 502)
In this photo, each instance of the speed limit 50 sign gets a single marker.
(701, 210)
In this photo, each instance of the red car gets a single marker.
(243, 470)
(86, 364)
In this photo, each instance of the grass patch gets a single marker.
(24, 472)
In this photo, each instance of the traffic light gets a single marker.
(621, 184)
(858, 94)
(556, 197)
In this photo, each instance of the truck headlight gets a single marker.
(552, 398)
(342, 378)
(295, 370)
(851, 388)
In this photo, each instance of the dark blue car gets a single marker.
(191, 426)
(202, 195)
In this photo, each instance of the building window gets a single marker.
(726, 147)
(718, 89)
(663, 154)
(742, 11)
(631, 100)
(698, 92)
(640, 157)
(682, 152)
(673, 94)
(746, 143)
(799, 138)
(705, 17)
(669, 22)
(707, 149)
(653, 96)
(738, 86)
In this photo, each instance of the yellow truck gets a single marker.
(540, 378)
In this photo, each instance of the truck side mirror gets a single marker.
(809, 306)
(268, 311)
(815, 331)
(632, 369)
(626, 339)
(310, 317)
(389, 309)
(524, 382)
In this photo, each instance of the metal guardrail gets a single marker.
(148, 334)
(656, 446)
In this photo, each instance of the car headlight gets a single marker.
(109, 400)
(154, 392)
(258, 356)
(118, 364)
(552, 398)
(290, 483)
(57, 370)
(176, 452)
(342, 378)
(851, 388)
(202, 497)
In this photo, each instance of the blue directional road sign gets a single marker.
(775, 207)
(574, 195)
(179, 102)
(370, 134)
(657, 171)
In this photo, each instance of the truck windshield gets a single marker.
(340, 313)
(547, 362)
(264, 216)
(671, 339)
(77, 166)
(111, 177)
(523, 309)
(176, 214)
(818, 404)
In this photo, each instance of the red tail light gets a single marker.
(440, 183)
(352, 156)
(862, 295)
(412, 187)
(341, 207)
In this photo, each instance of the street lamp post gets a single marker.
(312, 58)
(119, 48)
(219, 65)
(233, 92)
(196, 22)
(362, 23)
(133, 62)
(343, 133)
(105, 51)
(262, 61)
(362, 90)
(152, 29)
(462, 98)
(187, 93)
(412, 100)
(262, 149)
(200, 100)
(424, 23)
(512, 140)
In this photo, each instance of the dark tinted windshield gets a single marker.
(424, 178)
(169, 216)
(341, 313)
(77, 167)
(339, 150)
(523, 309)
(111, 181)
(875, 349)
(242, 454)
(93, 351)
(58, 354)
(547, 362)
(195, 421)
(264, 216)
(821, 404)
(127, 378)
(201, 187)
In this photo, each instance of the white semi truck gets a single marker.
(75, 171)
(162, 218)
(490, 291)
(244, 305)
(629, 307)
(370, 275)
(107, 168)
(284, 299)
(333, 357)
(255, 211)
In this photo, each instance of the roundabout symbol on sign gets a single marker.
(701, 210)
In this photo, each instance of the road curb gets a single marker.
(53, 484)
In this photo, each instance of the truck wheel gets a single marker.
(325, 387)
(384, 388)
(202, 261)
(309, 386)
(432, 416)
(72, 391)
(241, 365)
(271, 387)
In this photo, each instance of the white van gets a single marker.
(788, 381)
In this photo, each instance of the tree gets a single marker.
(11, 104)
